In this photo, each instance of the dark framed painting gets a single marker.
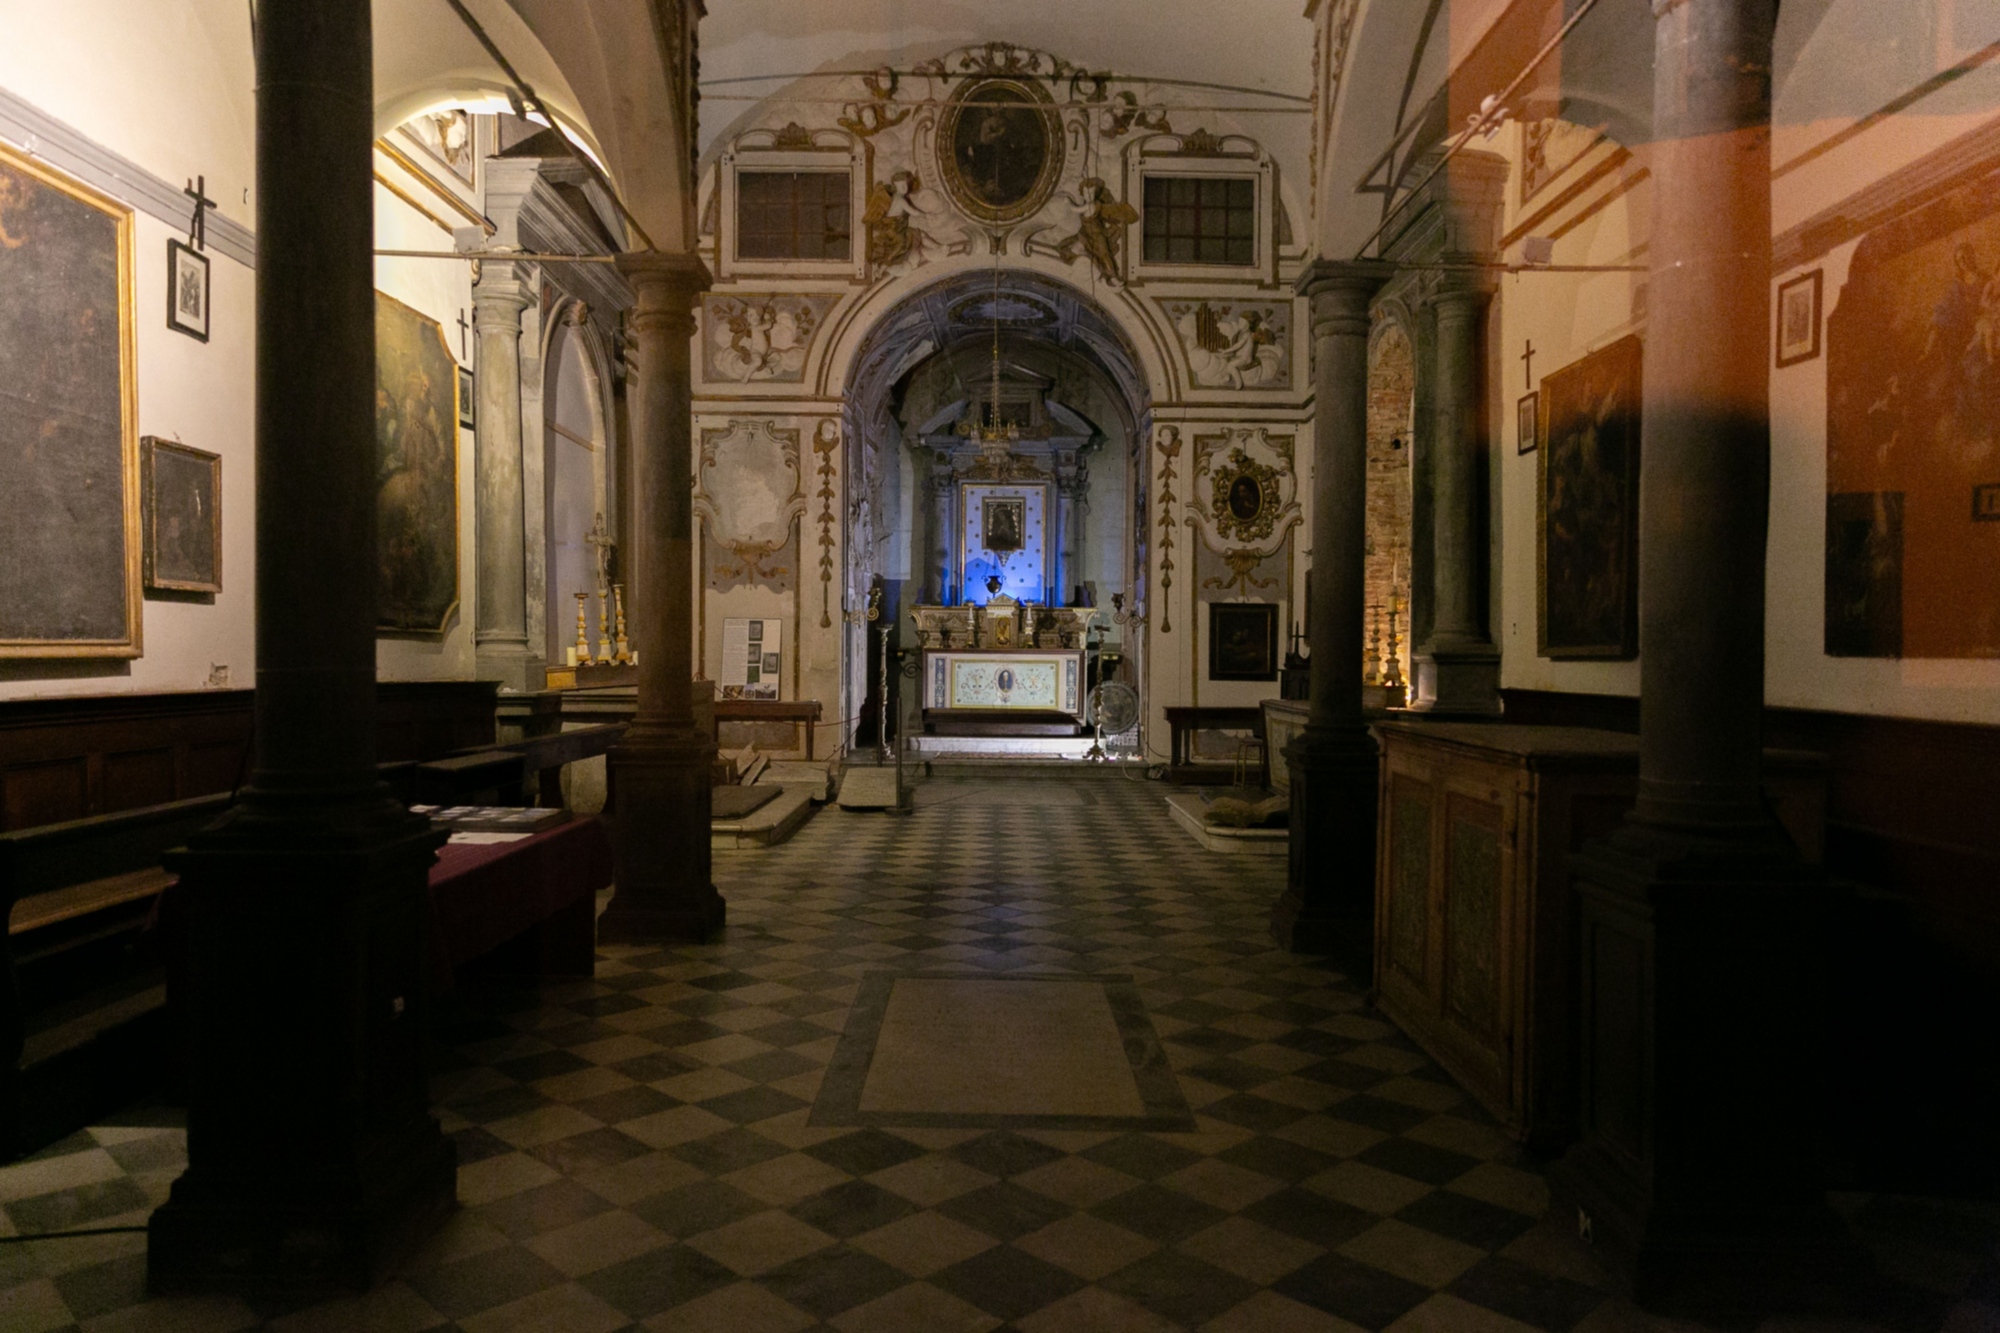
(1243, 641)
(466, 417)
(1000, 148)
(1527, 424)
(416, 441)
(1798, 318)
(1587, 529)
(1003, 523)
(187, 290)
(69, 443)
(181, 502)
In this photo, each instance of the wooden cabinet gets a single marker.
(1473, 911)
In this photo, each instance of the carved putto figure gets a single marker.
(763, 342)
(1236, 351)
(908, 224)
(1100, 228)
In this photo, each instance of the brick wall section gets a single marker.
(1391, 388)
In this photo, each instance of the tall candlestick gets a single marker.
(582, 633)
(624, 644)
(603, 624)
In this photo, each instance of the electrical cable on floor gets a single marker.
(67, 1235)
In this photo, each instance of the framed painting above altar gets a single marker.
(1587, 536)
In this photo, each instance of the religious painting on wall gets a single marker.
(1004, 519)
(1587, 533)
(1798, 318)
(181, 490)
(1913, 436)
(187, 290)
(1000, 149)
(416, 441)
(69, 446)
(466, 417)
(1527, 423)
(450, 138)
(1243, 641)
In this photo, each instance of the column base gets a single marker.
(513, 666)
(313, 1161)
(1702, 1053)
(660, 839)
(1457, 682)
(1328, 906)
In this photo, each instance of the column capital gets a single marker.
(498, 301)
(1464, 289)
(675, 278)
(1340, 291)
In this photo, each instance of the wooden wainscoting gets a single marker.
(72, 758)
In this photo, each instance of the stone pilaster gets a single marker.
(1072, 484)
(313, 1160)
(1457, 666)
(1699, 929)
(661, 771)
(1328, 902)
(500, 624)
(944, 485)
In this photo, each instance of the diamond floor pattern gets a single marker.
(636, 1151)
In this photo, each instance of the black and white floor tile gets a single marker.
(642, 1151)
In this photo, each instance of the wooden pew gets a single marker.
(82, 990)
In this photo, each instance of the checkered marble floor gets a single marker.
(636, 1151)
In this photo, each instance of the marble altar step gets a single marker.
(770, 823)
(869, 787)
(1187, 808)
(999, 747)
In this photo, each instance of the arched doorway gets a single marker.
(1005, 349)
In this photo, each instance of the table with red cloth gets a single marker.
(519, 909)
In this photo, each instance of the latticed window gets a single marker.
(1201, 220)
(792, 215)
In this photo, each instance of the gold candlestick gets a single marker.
(582, 649)
(1392, 664)
(603, 624)
(624, 644)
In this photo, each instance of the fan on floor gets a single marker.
(1113, 710)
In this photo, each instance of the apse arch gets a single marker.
(1045, 320)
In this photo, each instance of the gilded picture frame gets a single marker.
(417, 479)
(181, 513)
(1000, 148)
(83, 596)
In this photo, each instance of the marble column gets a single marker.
(1458, 669)
(944, 485)
(1328, 903)
(313, 1161)
(500, 622)
(1701, 935)
(1072, 482)
(661, 770)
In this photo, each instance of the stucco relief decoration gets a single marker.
(908, 225)
(1235, 345)
(826, 443)
(1170, 452)
(1247, 475)
(749, 494)
(757, 338)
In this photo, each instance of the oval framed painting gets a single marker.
(1000, 149)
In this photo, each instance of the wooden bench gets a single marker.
(83, 990)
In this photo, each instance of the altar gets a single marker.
(1005, 662)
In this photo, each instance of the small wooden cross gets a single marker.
(197, 190)
(462, 327)
(1528, 361)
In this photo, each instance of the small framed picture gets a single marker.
(187, 290)
(1528, 423)
(181, 503)
(465, 417)
(1798, 318)
(1243, 641)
